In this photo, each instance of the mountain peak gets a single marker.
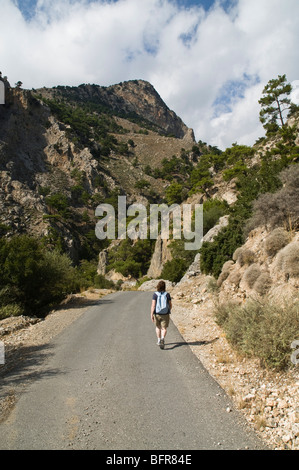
(133, 98)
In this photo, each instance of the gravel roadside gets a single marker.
(268, 400)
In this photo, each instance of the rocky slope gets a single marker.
(267, 264)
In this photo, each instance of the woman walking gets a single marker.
(160, 311)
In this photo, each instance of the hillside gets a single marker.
(65, 150)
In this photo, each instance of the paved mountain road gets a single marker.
(106, 385)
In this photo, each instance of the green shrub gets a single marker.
(215, 254)
(177, 248)
(213, 209)
(239, 168)
(129, 268)
(56, 279)
(142, 184)
(19, 259)
(261, 329)
(87, 276)
(131, 258)
(33, 278)
(100, 282)
(58, 202)
(174, 193)
(256, 180)
(174, 270)
(10, 310)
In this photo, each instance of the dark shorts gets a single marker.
(162, 321)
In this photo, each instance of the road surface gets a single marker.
(104, 384)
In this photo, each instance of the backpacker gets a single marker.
(162, 303)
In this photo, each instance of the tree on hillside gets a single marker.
(174, 193)
(274, 102)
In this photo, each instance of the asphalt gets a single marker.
(104, 384)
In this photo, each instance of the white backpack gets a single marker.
(162, 303)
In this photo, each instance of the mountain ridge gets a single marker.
(128, 99)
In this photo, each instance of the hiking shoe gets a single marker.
(162, 343)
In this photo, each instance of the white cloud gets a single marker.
(204, 65)
(295, 92)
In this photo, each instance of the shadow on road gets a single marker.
(169, 346)
(21, 367)
(81, 302)
(24, 364)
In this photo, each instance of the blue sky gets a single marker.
(27, 6)
(209, 60)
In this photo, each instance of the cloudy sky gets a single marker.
(208, 59)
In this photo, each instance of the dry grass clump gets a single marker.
(251, 275)
(288, 259)
(237, 254)
(226, 269)
(235, 277)
(244, 256)
(263, 284)
(276, 240)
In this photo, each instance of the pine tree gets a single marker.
(274, 102)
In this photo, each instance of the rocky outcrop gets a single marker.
(161, 255)
(152, 285)
(140, 97)
(102, 264)
(194, 268)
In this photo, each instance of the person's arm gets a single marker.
(153, 308)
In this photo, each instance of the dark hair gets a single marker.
(161, 287)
